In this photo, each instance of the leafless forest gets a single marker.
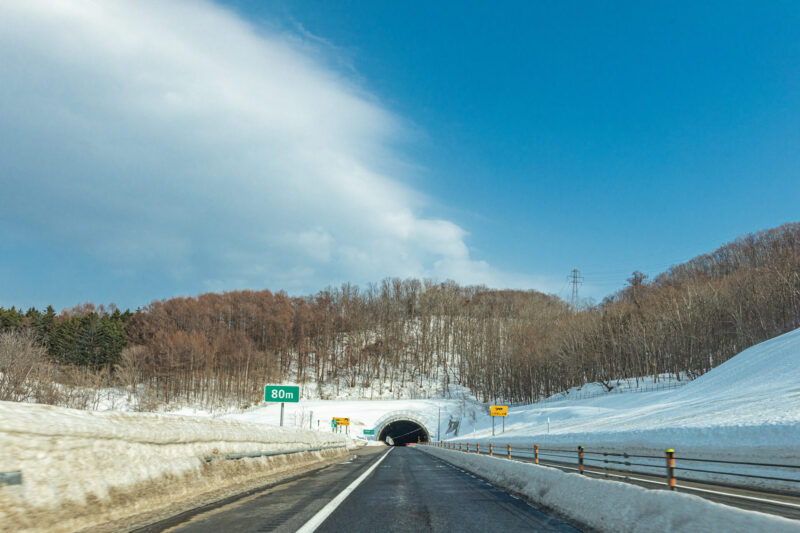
(503, 345)
(511, 345)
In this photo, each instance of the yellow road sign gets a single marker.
(341, 421)
(499, 410)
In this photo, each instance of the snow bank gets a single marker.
(610, 505)
(747, 409)
(81, 468)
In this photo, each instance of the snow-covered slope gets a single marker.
(746, 409)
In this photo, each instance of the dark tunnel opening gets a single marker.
(403, 431)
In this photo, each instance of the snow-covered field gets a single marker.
(610, 505)
(81, 468)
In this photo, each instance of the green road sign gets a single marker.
(369, 432)
(282, 393)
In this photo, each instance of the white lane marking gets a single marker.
(325, 512)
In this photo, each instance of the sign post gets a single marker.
(499, 410)
(282, 393)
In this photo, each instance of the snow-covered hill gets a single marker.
(747, 409)
(751, 400)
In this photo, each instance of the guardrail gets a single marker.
(670, 468)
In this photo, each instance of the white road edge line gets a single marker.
(325, 512)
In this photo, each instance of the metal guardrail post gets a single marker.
(536, 453)
(478, 448)
(459, 446)
(580, 459)
(490, 450)
(671, 469)
(508, 449)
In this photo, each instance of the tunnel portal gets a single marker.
(403, 431)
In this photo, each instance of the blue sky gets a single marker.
(176, 148)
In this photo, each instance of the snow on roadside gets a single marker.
(610, 505)
(80, 468)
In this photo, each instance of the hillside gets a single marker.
(746, 408)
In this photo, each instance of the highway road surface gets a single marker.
(400, 489)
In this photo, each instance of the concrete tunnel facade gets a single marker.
(403, 428)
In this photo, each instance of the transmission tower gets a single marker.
(576, 279)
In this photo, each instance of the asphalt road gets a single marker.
(408, 491)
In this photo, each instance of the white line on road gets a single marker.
(325, 512)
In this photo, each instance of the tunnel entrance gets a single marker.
(402, 432)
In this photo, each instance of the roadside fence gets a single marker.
(670, 467)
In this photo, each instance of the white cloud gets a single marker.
(173, 134)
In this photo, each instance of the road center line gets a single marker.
(325, 512)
